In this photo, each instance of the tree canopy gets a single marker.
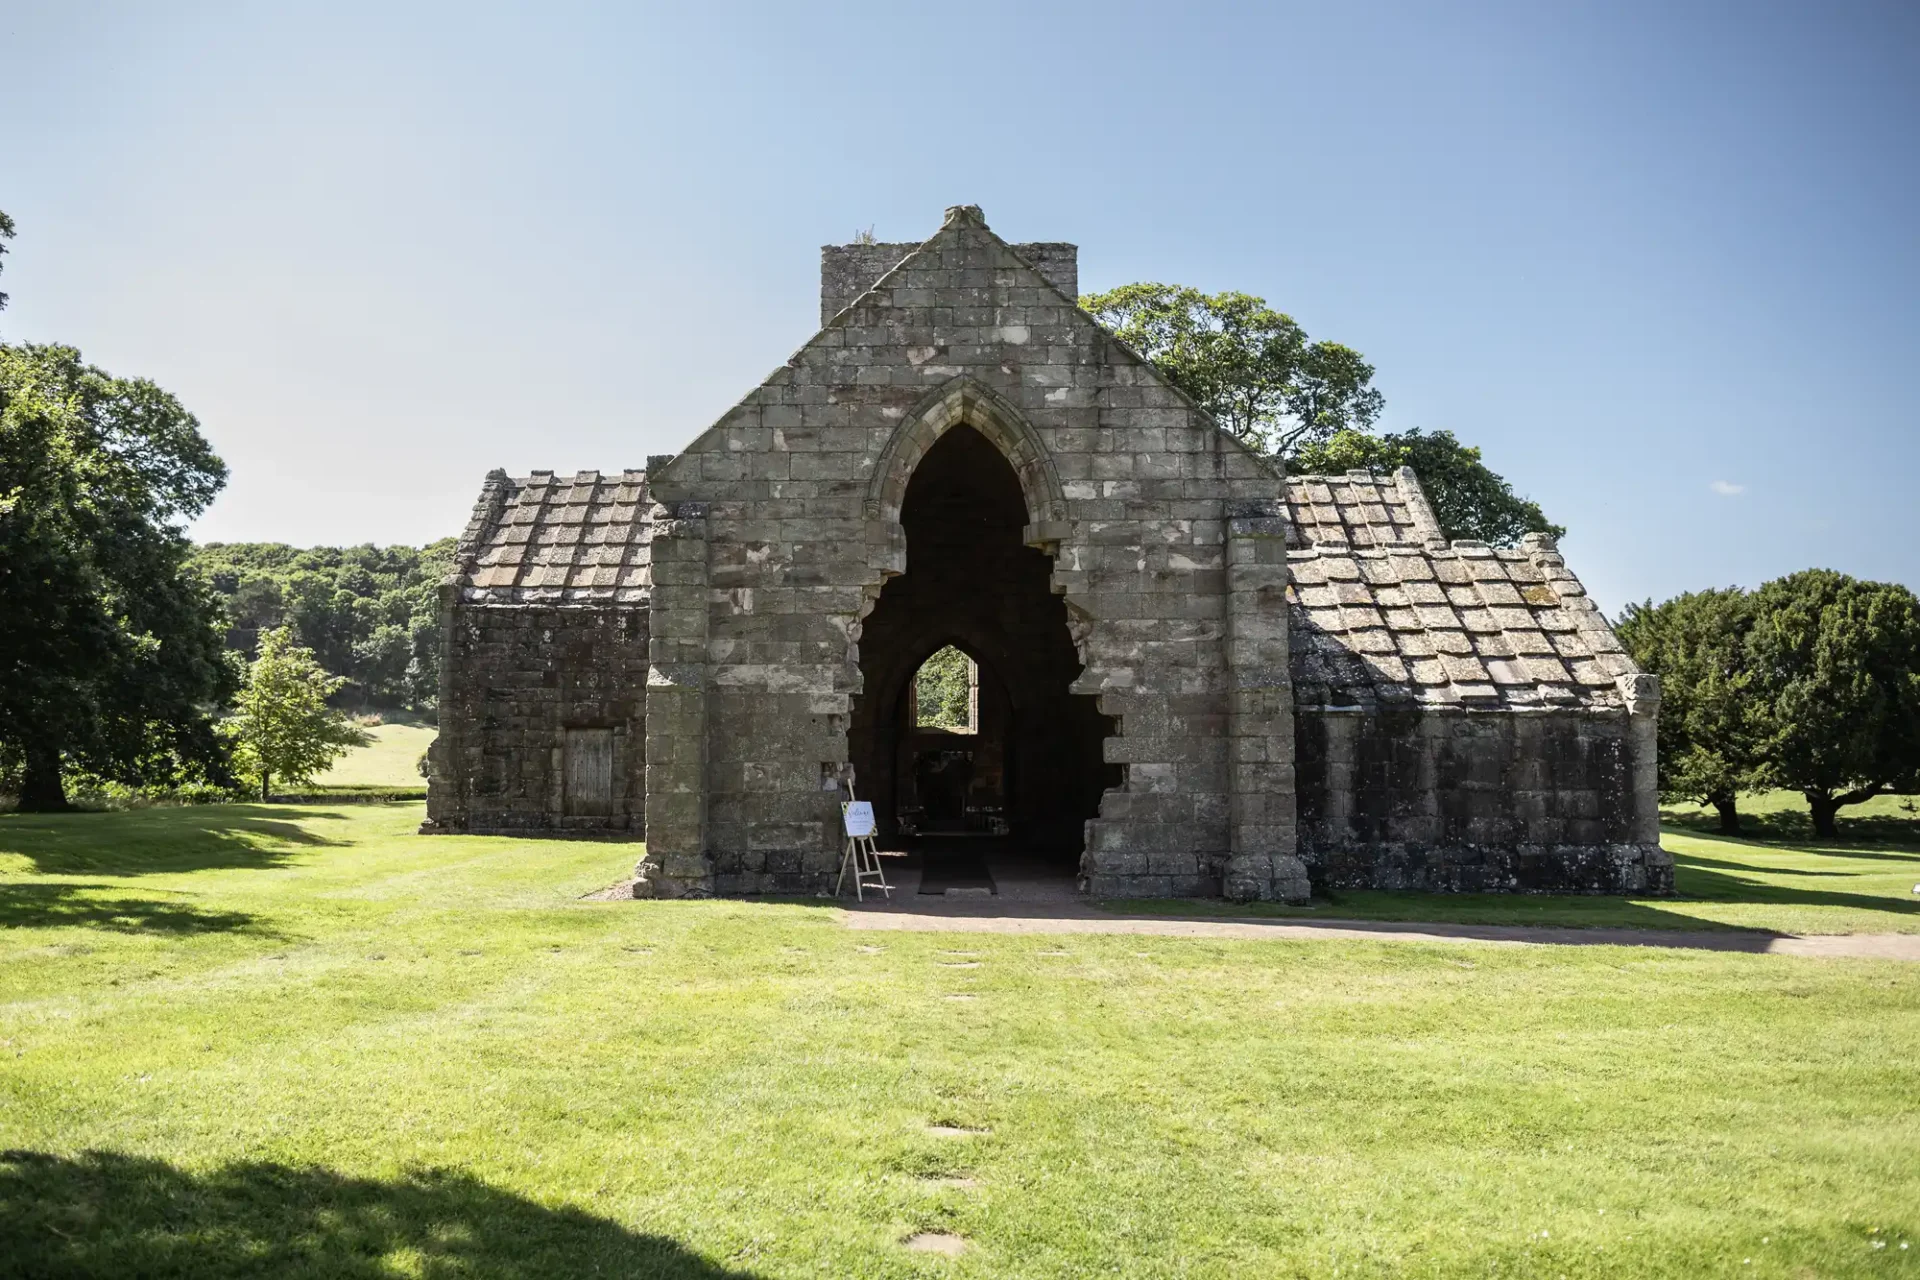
(1811, 683)
(1248, 365)
(6, 234)
(1836, 664)
(370, 614)
(283, 727)
(943, 690)
(110, 653)
(1310, 404)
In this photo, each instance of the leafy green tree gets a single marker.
(1709, 727)
(110, 653)
(1835, 663)
(1248, 365)
(1311, 404)
(283, 727)
(943, 690)
(1468, 498)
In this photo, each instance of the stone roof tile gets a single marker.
(1386, 611)
(579, 540)
(1357, 509)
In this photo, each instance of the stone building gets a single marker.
(1194, 675)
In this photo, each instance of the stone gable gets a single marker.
(1128, 487)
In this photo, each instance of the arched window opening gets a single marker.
(946, 693)
(1004, 753)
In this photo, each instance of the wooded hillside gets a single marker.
(371, 614)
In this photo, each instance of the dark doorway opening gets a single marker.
(1018, 776)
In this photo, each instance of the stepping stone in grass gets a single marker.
(962, 997)
(869, 951)
(950, 1184)
(954, 1131)
(941, 1242)
(959, 964)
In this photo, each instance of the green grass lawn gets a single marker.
(392, 760)
(303, 1041)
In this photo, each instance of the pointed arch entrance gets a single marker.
(1028, 772)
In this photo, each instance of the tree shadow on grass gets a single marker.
(1699, 880)
(103, 1213)
(1793, 828)
(1695, 860)
(1698, 884)
(163, 841)
(1889, 851)
(47, 906)
(1909, 856)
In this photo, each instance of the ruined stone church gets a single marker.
(1192, 674)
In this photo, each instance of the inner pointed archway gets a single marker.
(1027, 772)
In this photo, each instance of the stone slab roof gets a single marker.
(1360, 509)
(568, 540)
(1385, 612)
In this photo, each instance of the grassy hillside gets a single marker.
(391, 760)
(303, 1041)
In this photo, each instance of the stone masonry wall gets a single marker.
(1128, 486)
(1465, 801)
(517, 678)
(849, 270)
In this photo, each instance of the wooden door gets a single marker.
(589, 773)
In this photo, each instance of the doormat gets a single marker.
(944, 869)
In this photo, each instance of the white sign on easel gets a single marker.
(861, 857)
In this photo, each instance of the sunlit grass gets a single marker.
(305, 1041)
(392, 760)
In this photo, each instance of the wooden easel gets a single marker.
(863, 857)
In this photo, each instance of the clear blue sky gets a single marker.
(1658, 260)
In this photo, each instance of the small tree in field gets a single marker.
(284, 728)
